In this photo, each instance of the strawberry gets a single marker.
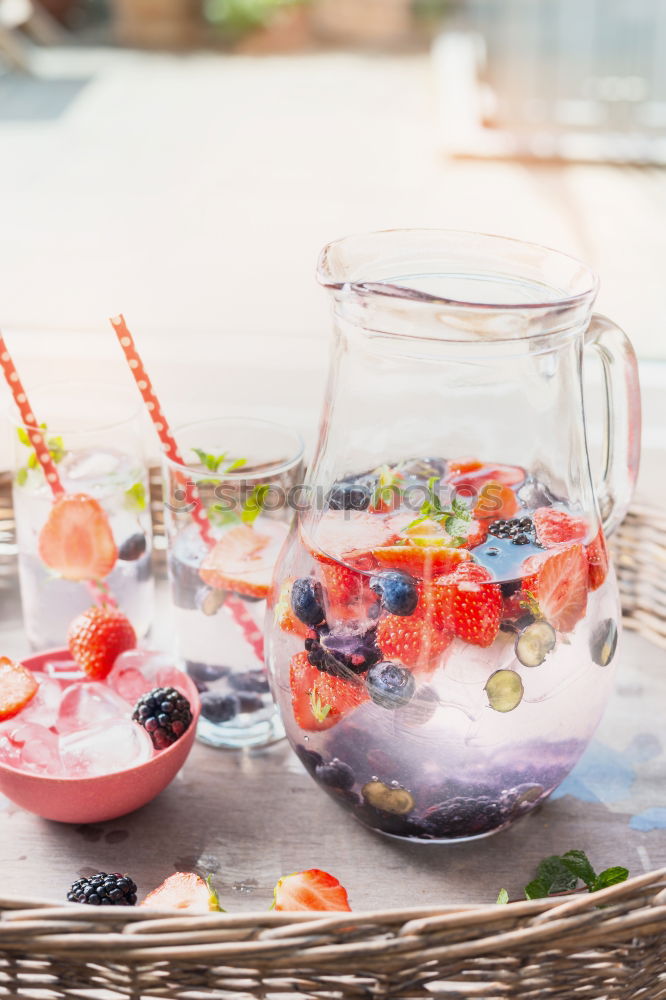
(458, 466)
(469, 482)
(184, 891)
(496, 501)
(422, 557)
(415, 640)
(558, 582)
(97, 637)
(243, 559)
(555, 527)
(348, 592)
(284, 617)
(597, 559)
(469, 605)
(320, 700)
(310, 890)
(477, 533)
(76, 540)
(17, 687)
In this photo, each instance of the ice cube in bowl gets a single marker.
(97, 797)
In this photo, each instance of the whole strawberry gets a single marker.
(97, 637)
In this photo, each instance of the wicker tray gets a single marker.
(610, 945)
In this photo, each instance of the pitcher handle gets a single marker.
(622, 424)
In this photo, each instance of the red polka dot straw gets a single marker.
(235, 606)
(99, 590)
(29, 420)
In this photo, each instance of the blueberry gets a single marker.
(219, 707)
(397, 591)
(310, 759)
(306, 601)
(254, 681)
(249, 702)
(336, 774)
(390, 685)
(201, 672)
(349, 496)
(133, 547)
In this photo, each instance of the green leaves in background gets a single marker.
(135, 498)
(213, 462)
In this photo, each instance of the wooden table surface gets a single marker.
(249, 817)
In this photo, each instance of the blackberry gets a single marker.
(343, 652)
(104, 890)
(518, 530)
(165, 714)
(462, 817)
(336, 774)
(219, 708)
(254, 681)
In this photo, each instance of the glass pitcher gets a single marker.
(444, 620)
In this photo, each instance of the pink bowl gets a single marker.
(106, 796)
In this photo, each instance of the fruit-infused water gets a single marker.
(242, 472)
(442, 664)
(102, 544)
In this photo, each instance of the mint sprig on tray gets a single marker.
(455, 519)
(562, 873)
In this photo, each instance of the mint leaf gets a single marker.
(552, 876)
(254, 504)
(578, 864)
(502, 897)
(55, 446)
(135, 498)
(21, 477)
(208, 460)
(236, 464)
(455, 519)
(220, 518)
(23, 437)
(610, 876)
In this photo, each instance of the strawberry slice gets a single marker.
(244, 557)
(302, 676)
(310, 890)
(184, 891)
(320, 700)
(496, 501)
(76, 540)
(348, 593)
(349, 536)
(415, 641)
(284, 617)
(458, 466)
(422, 557)
(470, 482)
(17, 687)
(556, 527)
(597, 559)
(469, 605)
(558, 582)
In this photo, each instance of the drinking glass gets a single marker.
(93, 433)
(242, 472)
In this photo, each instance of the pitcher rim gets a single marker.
(401, 292)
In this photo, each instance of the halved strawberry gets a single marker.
(415, 640)
(18, 686)
(284, 617)
(76, 540)
(334, 697)
(184, 891)
(422, 557)
(349, 536)
(555, 527)
(458, 466)
(470, 482)
(597, 559)
(97, 637)
(558, 581)
(244, 557)
(348, 593)
(469, 604)
(496, 501)
(302, 676)
(310, 890)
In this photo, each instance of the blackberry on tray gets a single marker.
(104, 890)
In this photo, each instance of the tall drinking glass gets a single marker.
(93, 433)
(245, 473)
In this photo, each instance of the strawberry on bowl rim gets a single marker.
(97, 798)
